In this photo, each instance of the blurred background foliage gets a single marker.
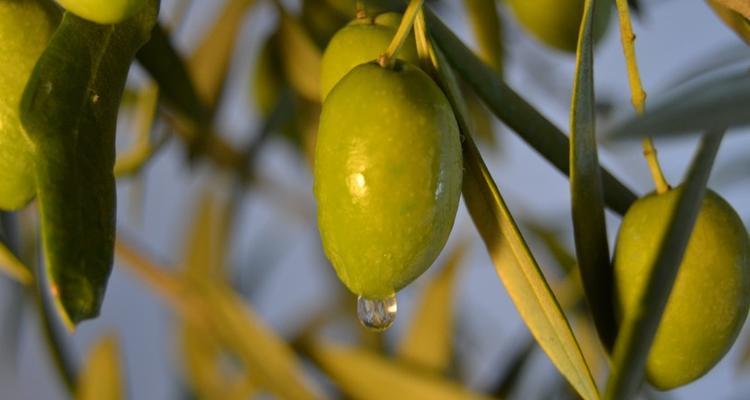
(220, 288)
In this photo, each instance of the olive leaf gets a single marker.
(101, 377)
(740, 6)
(728, 55)
(716, 103)
(428, 342)
(637, 333)
(587, 200)
(514, 111)
(12, 267)
(363, 374)
(209, 63)
(514, 263)
(300, 57)
(162, 61)
(69, 110)
(487, 26)
(213, 308)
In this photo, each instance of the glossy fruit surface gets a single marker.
(103, 11)
(25, 28)
(361, 41)
(556, 22)
(709, 301)
(387, 176)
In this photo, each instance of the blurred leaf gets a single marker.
(551, 240)
(485, 21)
(207, 241)
(637, 333)
(13, 267)
(300, 57)
(735, 14)
(710, 62)
(716, 103)
(510, 378)
(587, 200)
(209, 63)
(69, 110)
(207, 375)
(513, 110)
(362, 374)
(481, 118)
(740, 6)
(101, 377)
(744, 359)
(217, 311)
(428, 342)
(135, 158)
(162, 61)
(514, 263)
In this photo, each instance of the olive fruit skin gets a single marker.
(556, 23)
(103, 12)
(388, 172)
(709, 301)
(25, 28)
(361, 41)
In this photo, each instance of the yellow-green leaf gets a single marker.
(300, 57)
(362, 374)
(428, 342)
(210, 61)
(101, 377)
(513, 260)
(488, 31)
(587, 197)
(13, 267)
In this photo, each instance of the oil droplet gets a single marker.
(377, 314)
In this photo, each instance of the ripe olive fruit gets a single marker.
(710, 297)
(103, 12)
(362, 40)
(387, 176)
(556, 23)
(25, 29)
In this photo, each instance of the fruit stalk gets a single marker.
(386, 60)
(649, 151)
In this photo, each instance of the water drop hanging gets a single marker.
(377, 314)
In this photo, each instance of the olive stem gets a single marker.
(386, 59)
(649, 151)
(360, 11)
(423, 42)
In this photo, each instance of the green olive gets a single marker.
(25, 29)
(387, 176)
(556, 22)
(103, 12)
(709, 301)
(361, 41)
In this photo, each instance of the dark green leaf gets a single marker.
(167, 68)
(587, 202)
(637, 334)
(69, 110)
(713, 104)
(519, 115)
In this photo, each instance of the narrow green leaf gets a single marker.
(210, 61)
(428, 342)
(717, 103)
(729, 55)
(514, 111)
(514, 263)
(300, 57)
(586, 191)
(363, 374)
(488, 31)
(69, 110)
(101, 377)
(637, 333)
